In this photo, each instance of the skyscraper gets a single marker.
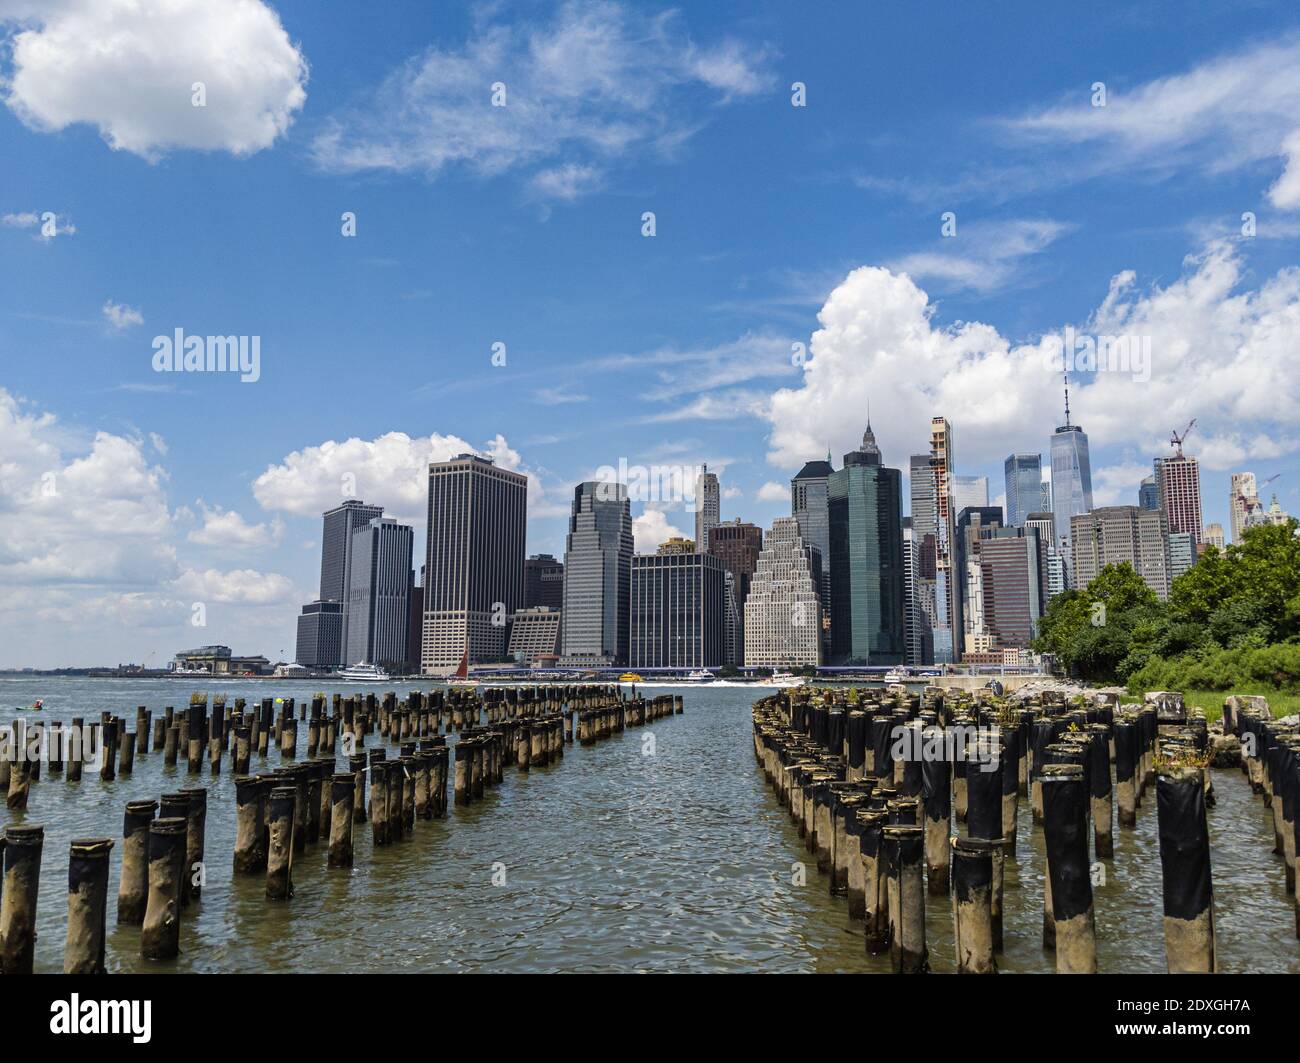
(947, 623)
(783, 611)
(320, 635)
(543, 582)
(1024, 486)
(866, 533)
(918, 639)
(1112, 535)
(708, 507)
(737, 545)
(678, 611)
(969, 492)
(1071, 476)
(1012, 573)
(1148, 493)
(1243, 498)
(340, 524)
(808, 506)
(1182, 554)
(474, 563)
(597, 576)
(1214, 535)
(379, 594)
(1057, 575)
(971, 523)
(1178, 480)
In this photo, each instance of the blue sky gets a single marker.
(129, 496)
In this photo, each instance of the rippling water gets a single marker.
(614, 861)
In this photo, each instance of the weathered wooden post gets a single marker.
(1065, 829)
(905, 856)
(937, 799)
(342, 795)
(1126, 771)
(198, 818)
(378, 798)
(972, 905)
(279, 862)
(22, 879)
(1185, 864)
(133, 888)
(249, 825)
(160, 937)
(83, 951)
(357, 766)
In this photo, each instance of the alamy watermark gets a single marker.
(180, 353)
(1086, 353)
(20, 744)
(648, 483)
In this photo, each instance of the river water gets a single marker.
(618, 858)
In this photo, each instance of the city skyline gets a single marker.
(748, 334)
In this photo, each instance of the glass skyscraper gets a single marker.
(597, 576)
(1024, 485)
(1071, 476)
(867, 570)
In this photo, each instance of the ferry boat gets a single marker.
(700, 676)
(895, 677)
(630, 677)
(364, 673)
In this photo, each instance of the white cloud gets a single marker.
(558, 396)
(774, 492)
(50, 226)
(596, 82)
(225, 531)
(983, 256)
(127, 67)
(1219, 353)
(391, 471)
(89, 558)
(1232, 111)
(120, 316)
(651, 528)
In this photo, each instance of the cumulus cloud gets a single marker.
(1219, 352)
(128, 68)
(774, 492)
(226, 530)
(594, 83)
(89, 556)
(391, 470)
(651, 528)
(1235, 110)
(119, 316)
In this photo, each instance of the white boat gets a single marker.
(364, 673)
(896, 677)
(700, 676)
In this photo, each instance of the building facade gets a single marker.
(1178, 481)
(678, 611)
(1113, 535)
(867, 578)
(918, 639)
(379, 596)
(339, 526)
(1023, 474)
(597, 577)
(1243, 498)
(708, 506)
(543, 582)
(1057, 574)
(947, 622)
(320, 635)
(783, 617)
(474, 562)
(534, 634)
(1214, 535)
(969, 492)
(1013, 571)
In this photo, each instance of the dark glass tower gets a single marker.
(867, 571)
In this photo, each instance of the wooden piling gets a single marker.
(160, 937)
(83, 951)
(133, 885)
(22, 877)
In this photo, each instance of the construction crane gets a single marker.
(1176, 440)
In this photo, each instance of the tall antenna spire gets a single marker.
(1065, 375)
